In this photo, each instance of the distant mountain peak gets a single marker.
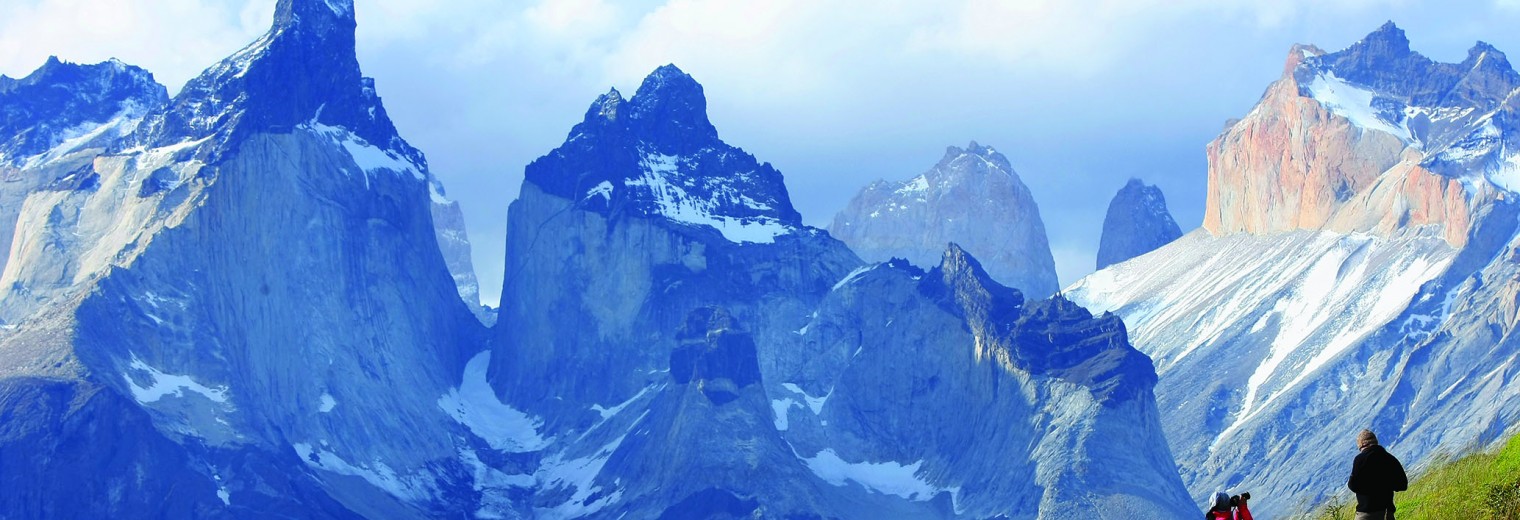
(1137, 223)
(972, 197)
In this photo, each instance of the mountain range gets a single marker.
(1355, 269)
(253, 299)
(250, 300)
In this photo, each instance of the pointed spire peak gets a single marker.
(957, 262)
(670, 105)
(606, 106)
(954, 253)
(1387, 40)
(670, 83)
(291, 12)
(304, 70)
(1484, 55)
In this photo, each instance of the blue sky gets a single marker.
(1080, 95)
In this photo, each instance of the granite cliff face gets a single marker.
(971, 197)
(1137, 223)
(454, 243)
(1350, 274)
(233, 293)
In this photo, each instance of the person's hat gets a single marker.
(1365, 439)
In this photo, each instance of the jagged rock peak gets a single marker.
(1384, 62)
(964, 288)
(304, 71)
(658, 155)
(292, 12)
(1054, 336)
(1137, 223)
(605, 108)
(61, 99)
(669, 100)
(668, 111)
(1388, 39)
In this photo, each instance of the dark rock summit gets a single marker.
(304, 70)
(63, 100)
(1137, 223)
(658, 155)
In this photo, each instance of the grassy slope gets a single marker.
(1480, 485)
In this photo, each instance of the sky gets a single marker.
(1081, 95)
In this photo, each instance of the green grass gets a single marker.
(1480, 485)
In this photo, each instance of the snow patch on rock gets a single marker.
(887, 478)
(1353, 103)
(161, 384)
(675, 203)
(474, 404)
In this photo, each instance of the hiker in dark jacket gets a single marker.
(1375, 475)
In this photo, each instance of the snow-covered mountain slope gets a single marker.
(1137, 223)
(249, 285)
(740, 375)
(1355, 281)
(971, 197)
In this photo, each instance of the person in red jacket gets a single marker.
(1228, 507)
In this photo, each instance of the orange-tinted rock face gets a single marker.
(1292, 163)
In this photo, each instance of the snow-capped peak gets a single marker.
(305, 67)
(1455, 114)
(658, 155)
